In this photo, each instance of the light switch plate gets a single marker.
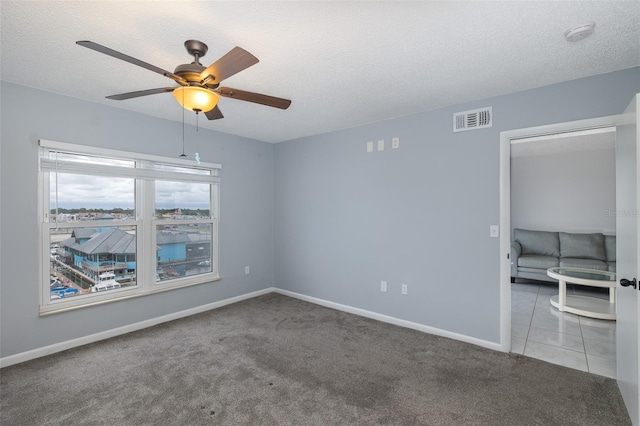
(381, 145)
(395, 143)
(383, 286)
(370, 146)
(494, 231)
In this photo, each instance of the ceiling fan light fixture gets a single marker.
(196, 98)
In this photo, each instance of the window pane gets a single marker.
(183, 250)
(83, 197)
(182, 200)
(91, 260)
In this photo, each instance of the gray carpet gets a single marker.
(277, 360)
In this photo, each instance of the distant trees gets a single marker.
(186, 212)
(96, 211)
(118, 210)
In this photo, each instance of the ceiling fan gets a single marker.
(199, 87)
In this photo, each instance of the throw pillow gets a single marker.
(585, 246)
(538, 242)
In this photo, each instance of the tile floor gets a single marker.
(541, 331)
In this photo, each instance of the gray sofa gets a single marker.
(533, 252)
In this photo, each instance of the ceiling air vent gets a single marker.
(471, 120)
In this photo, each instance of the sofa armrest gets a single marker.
(516, 251)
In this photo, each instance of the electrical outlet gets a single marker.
(404, 289)
(395, 143)
(370, 146)
(381, 145)
(247, 270)
(494, 231)
(383, 286)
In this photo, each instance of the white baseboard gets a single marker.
(69, 344)
(393, 320)
(73, 343)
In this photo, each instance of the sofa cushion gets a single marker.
(573, 262)
(537, 261)
(586, 246)
(538, 242)
(610, 247)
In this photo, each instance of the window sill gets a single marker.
(123, 294)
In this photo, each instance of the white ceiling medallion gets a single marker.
(580, 32)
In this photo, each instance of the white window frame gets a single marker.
(145, 221)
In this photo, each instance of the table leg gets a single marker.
(562, 295)
(612, 295)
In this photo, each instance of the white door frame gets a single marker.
(628, 224)
(505, 203)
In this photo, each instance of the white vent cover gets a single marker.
(473, 119)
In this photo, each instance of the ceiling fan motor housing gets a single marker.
(190, 72)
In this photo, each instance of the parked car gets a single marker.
(204, 263)
(60, 292)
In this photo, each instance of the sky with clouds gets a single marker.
(97, 192)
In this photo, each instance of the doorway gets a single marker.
(627, 239)
(563, 183)
(506, 139)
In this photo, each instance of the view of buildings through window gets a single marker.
(93, 228)
(95, 259)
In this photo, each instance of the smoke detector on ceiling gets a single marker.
(580, 32)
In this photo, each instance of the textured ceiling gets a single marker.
(343, 64)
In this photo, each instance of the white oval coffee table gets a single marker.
(592, 307)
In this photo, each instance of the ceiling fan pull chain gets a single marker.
(183, 154)
(197, 137)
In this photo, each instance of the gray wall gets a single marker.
(246, 229)
(419, 215)
(344, 219)
(568, 191)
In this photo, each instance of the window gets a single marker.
(117, 224)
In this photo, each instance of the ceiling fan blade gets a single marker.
(214, 114)
(236, 60)
(103, 49)
(257, 98)
(123, 96)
